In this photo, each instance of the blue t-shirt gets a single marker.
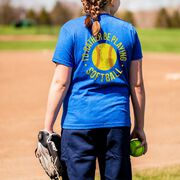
(99, 92)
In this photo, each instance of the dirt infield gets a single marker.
(24, 84)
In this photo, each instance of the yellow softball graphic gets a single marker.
(104, 56)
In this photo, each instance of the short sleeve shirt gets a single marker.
(98, 96)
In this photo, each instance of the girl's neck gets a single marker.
(107, 10)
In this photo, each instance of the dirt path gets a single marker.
(24, 83)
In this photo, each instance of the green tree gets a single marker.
(163, 19)
(175, 19)
(129, 17)
(60, 14)
(7, 13)
(44, 17)
(31, 14)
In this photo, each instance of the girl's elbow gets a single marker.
(137, 87)
(139, 84)
(60, 85)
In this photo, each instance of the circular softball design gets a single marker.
(104, 56)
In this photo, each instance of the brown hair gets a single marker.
(92, 9)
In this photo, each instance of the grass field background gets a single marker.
(153, 40)
(34, 30)
(168, 173)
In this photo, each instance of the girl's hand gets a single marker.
(140, 134)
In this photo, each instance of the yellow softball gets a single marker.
(104, 56)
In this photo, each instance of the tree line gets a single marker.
(60, 14)
(165, 20)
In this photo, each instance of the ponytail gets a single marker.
(88, 22)
(96, 27)
(92, 9)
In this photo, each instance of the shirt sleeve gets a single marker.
(137, 50)
(64, 49)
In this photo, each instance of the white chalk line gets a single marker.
(173, 76)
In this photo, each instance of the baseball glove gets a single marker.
(48, 153)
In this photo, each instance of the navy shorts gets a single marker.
(110, 146)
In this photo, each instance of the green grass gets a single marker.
(160, 40)
(152, 40)
(168, 173)
(27, 45)
(34, 30)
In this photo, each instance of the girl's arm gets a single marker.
(138, 101)
(58, 89)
